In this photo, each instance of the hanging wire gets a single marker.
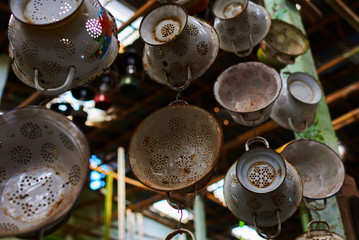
(179, 94)
(45, 101)
(180, 220)
(254, 130)
(315, 212)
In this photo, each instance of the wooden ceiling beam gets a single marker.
(346, 119)
(346, 12)
(338, 60)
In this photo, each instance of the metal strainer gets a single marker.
(176, 148)
(43, 166)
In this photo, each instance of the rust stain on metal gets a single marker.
(55, 205)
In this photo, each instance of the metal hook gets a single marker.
(183, 86)
(260, 233)
(178, 95)
(180, 220)
(315, 208)
(243, 53)
(294, 129)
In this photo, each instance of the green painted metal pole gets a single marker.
(322, 130)
(200, 218)
(108, 205)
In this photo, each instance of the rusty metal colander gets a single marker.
(43, 166)
(175, 148)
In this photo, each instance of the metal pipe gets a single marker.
(140, 12)
(345, 12)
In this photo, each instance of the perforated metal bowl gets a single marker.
(43, 166)
(175, 148)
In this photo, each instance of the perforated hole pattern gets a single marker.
(21, 155)
(19, 198)
(177, 124)
(172, 142)
(49, 152)
(171, 181)
(179, 48)
(167, 30)
(94, 28)
(37, 11)
(67, 142)
(261, 174)
(253, 204)
(176, 68)
(191, 30)
(195, 138)
(96, 4)
(278, 199)
(75, 175)
(234, 180)
(158, 162)
(65, 48)
(90, 54)
(30, 49)
(31, 130)
(149, 144)
(51, 69)
(2, 174)
(8, 227)
(202, 48)
(234, 200)
(185, 163)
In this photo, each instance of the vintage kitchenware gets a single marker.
(180, 231)
(260, 169)
(58, 45)
(263, 209)
(192, 6)
(176, 148)
(320, 167)
(319, 234)
(43, 167)
(296, 106)
(283, 43)
(179, 48)
(240, 33)
(229, 9)
(247, 91)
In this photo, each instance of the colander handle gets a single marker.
(58, 90)
(180, 231)
(294, 129)
(260, 233)
(318, 221)
(243, 53)
(178, 103)
(315, 208)
(184, 85)
(291, 60)
(180, 206)
(254, 140)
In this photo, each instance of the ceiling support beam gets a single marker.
(140, 12)
(345, 11)
(338, 60)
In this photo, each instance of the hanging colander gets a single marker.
(176, 148)
(43, 167)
